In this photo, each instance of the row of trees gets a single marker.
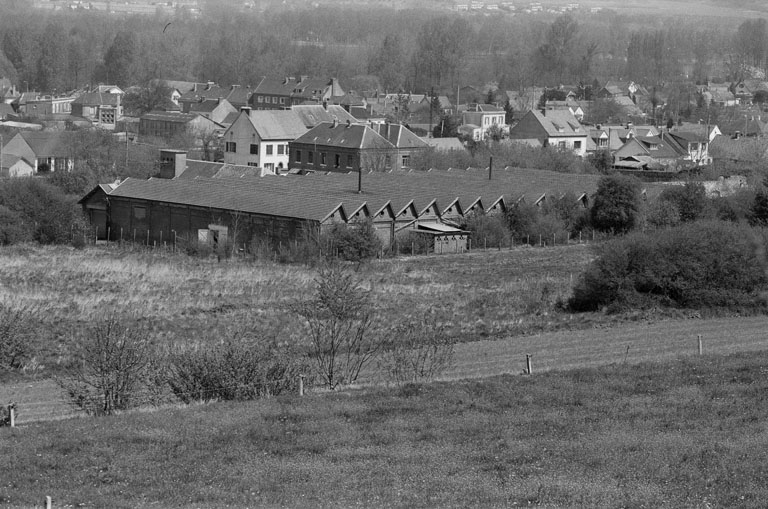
(410, 50)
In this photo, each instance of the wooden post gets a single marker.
(147, 237)
(48, 502)
(701, 346)
(553, 239)
(301, 385)
(413, 252)
(528, 363)
(541, 243)
(109, 233)
(12, 414)
(470, 244)
(485, 243)
(579, 236)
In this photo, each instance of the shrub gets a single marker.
(15, 336)
(701, 264)
(410, 242)
(353, 242)
(690, 200)
(533, 223)
(238, 368)
(487, 230)
(417, 351)
(13, 228)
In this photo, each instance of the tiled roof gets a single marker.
(559, 123)
(170, 116)
(314, 114)
(277, 124)
(208, 169)
(350, 135)
(316, 196)
(47, 143)
(400, 136)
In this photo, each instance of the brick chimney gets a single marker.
(172, 163)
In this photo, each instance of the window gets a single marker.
(561, 145)
(274, 100)
(350, 160)
(269, 150)
(297, 158)
(406, 161)
(253, 164)
(310, 157)
(260, 99)
(230, 146)
(322, 158)
(255, 148)
(280, 149)
(387, 161)
(139, 212)
(282, 100)
(336, 160)
(577, 145)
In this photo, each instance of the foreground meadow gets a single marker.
(685, 433)
(185, 300)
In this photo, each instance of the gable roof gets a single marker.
(559, 123)
(350, 135)
(97, 99)
(277, 124)
(400, 136)
(47, 143)
(314, 114)
(208, 169)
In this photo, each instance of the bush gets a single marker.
(702, 264)
(485, 230)
(410, 242)
(239, 368)
(532, 223)
(417, 351)
(616, 204)
(690, 200)
(13, 229)
(15, 336)
(354, 242)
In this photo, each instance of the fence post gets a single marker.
(48, 502)
(470, 244)
(109, 233)
(301, 385)
(12, 414)
(541, 244)
(485, 243)
(553, 239)
(528, 363)
(701, 346)
(579, 236)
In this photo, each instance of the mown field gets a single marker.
(680, 434)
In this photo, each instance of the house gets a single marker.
(749, 125)
(15, 166)
(166, 124)
(404, 140)
(695, 146)
(213, 109)
(278, 209)
(6, 111)
(47, 105)
(8, 91)
(486, 117)
(348, 147)
(708, 131)
(44, 150)
(654, 152)
(237, 96)
(282, 93)
(260, 138)
(557, 128)
(104, 110)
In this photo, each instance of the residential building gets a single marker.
(282, 93)
(236, 95)
(260, 138)
(315, 114)
(166, 124)
(213, 109)
(44, 150)
(349, 147)
(556, 128)
(104, 110)
(406, 143)
(14, 166)
(48, 105)
(486, 117)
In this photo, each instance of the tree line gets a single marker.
(412, 50)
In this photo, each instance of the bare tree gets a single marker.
(340, 319)
(417, 350)
(110, 365)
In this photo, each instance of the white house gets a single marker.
(260, 138)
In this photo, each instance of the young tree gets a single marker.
(340, 322)
(417, 350)
(616, 204)
(690, 200)
(110, 366)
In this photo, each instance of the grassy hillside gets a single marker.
(688, 433)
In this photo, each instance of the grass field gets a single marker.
(684, 433)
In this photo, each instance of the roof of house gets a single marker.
(208, 169)
(559, 123)
(277, 124)
(8, 160)
(445, 143)
(400, 136)
(314, 114)
(349, 135)
(170, 116)
(182, 86)
(47, 143)
(206, 105)
(97, 99)
(6, 110)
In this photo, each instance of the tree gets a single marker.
(156, 95)
(119, 58)
(447, 127)
(386, 63)
(340, 322)
(110, 366)
(616, 204)
(690, 200)
(355, 242)
(758, 213)
(509, 112)
(602, 160)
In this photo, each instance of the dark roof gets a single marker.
(314, 114)
(400, 136)
(97, 99)
(47, 143)
(316, 196)
(205, 106)
(332, 134)
(208, 169)
(170, 116)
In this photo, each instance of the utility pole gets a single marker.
(431, 102)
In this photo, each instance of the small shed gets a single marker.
(442, 238)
